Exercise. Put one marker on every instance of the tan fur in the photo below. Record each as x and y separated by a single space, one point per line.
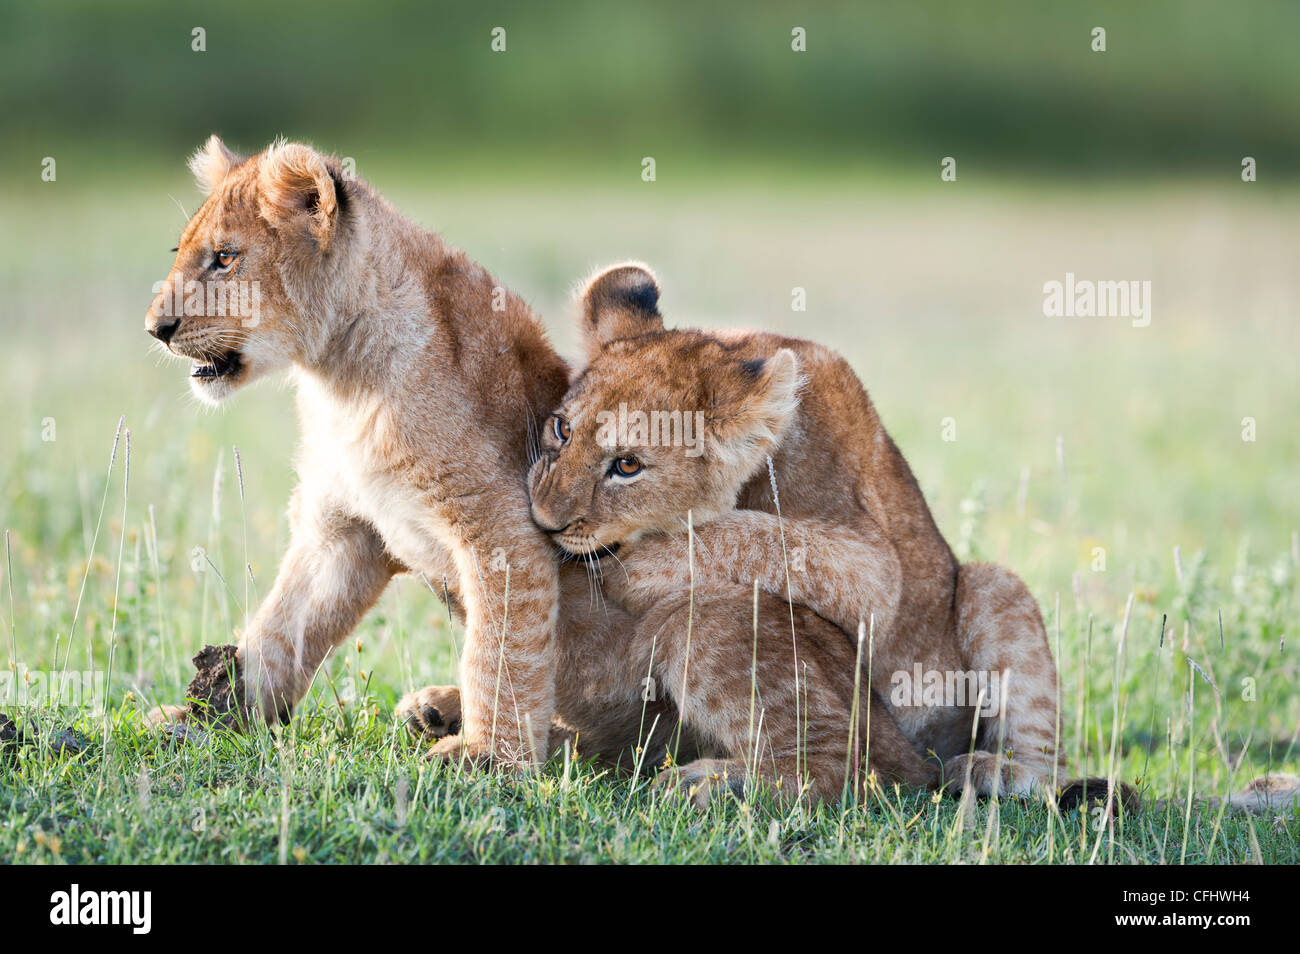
417 402
728 691
855 525
705 659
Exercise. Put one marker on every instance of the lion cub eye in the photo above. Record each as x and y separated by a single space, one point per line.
225 259
562 429
627 466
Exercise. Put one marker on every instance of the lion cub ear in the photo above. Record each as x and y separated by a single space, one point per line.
753 404
212 162
620 302
298 192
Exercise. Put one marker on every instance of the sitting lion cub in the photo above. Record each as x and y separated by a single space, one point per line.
622 465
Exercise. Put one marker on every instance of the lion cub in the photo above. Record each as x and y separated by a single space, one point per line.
416 398
419 397
622 465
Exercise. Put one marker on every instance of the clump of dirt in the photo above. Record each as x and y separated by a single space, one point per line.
59 741
216 692
185 732
8 735
68 742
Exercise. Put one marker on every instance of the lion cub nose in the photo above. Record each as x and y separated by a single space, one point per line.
163 329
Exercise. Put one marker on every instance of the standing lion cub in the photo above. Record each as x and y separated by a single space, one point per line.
417 400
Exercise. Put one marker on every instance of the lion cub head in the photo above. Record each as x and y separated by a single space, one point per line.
249 290
659 423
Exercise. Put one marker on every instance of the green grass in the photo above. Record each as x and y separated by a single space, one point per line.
934 295
328 792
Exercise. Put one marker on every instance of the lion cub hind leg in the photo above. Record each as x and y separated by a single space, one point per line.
703 780
891 757
764 715
1001 638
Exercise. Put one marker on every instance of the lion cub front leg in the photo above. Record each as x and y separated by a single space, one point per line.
846 574
335 570
433 713
509 585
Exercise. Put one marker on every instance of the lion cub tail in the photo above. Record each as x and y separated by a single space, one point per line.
1083 791
1268 793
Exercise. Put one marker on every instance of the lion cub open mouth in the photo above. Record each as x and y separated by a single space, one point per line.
220 367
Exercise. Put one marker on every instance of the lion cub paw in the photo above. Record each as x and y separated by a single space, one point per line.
161 716
990 774
455 752
432 712
703 780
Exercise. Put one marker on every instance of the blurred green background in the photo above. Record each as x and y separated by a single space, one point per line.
776 170
1008 86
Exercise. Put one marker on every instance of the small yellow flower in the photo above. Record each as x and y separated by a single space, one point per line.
299 853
